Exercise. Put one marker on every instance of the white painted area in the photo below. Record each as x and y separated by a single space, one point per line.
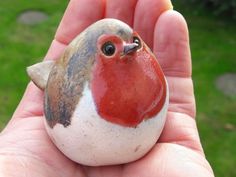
93 141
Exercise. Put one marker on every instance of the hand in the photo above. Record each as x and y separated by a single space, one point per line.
24 145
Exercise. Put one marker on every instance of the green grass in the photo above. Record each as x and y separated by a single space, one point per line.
213 44
22 45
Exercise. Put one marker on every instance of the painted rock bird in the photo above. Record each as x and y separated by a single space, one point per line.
106 98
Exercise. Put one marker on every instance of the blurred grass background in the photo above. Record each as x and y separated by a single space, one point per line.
22 45
213 44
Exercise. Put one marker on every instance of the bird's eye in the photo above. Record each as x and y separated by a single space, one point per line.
136 40
108 48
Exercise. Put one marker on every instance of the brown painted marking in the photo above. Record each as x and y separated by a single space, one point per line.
137 148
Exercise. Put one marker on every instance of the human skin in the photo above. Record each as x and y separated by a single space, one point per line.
25 148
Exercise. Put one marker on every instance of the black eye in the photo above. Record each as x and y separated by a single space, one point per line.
137 41
108 48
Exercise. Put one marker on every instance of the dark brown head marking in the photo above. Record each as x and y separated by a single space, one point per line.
67 78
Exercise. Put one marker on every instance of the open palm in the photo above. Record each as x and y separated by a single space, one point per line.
25 148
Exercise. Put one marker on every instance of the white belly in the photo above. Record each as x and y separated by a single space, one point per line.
91 140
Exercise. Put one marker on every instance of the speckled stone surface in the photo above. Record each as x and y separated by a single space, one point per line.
227 84
32 17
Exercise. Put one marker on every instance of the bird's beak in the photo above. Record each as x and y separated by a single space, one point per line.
130 48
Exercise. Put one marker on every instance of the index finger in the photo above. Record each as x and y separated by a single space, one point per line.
78 15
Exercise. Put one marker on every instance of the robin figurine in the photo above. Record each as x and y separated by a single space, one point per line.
106 98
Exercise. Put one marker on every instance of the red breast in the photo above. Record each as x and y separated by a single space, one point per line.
127 87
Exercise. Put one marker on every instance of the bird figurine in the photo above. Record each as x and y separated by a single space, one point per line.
105 98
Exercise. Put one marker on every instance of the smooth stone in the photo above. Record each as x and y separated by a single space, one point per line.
32 17
229 127
227 84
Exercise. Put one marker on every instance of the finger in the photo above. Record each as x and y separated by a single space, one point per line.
181 96
146 14
55 50
124 12
180 127
171 44
79 15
